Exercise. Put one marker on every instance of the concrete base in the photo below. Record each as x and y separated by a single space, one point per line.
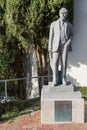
58 106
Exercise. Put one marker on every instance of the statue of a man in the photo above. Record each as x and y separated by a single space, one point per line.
60 38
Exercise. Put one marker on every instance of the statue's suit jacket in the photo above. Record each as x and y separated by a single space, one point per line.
54 35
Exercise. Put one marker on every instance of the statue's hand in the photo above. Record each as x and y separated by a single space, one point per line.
50 54
68 43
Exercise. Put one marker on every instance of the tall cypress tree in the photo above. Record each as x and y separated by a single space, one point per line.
24 23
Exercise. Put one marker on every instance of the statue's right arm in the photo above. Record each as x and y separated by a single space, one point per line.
51 35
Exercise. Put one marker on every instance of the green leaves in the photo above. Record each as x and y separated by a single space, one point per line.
5 65
23 23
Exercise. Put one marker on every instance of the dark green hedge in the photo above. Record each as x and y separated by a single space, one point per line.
83 91
18 105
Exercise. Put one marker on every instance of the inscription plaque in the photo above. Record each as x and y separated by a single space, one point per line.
63 111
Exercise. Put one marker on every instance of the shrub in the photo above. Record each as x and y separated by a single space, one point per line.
83 91
16 106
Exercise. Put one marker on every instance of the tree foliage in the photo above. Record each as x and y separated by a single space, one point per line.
24 23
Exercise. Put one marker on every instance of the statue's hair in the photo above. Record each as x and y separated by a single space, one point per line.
63 10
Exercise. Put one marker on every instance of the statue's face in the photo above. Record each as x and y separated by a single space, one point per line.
63 15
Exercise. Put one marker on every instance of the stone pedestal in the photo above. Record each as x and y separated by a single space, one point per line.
61 104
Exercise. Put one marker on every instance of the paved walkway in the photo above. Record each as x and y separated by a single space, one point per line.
32 122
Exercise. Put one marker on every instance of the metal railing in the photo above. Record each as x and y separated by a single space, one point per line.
9 80
26 78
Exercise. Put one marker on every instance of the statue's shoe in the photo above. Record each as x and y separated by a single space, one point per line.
64 81
56 84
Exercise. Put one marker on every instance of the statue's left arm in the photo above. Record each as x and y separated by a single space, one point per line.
69 41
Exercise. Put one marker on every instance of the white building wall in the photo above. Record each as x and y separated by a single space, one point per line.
77 67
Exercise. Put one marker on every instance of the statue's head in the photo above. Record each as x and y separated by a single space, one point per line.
63 12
